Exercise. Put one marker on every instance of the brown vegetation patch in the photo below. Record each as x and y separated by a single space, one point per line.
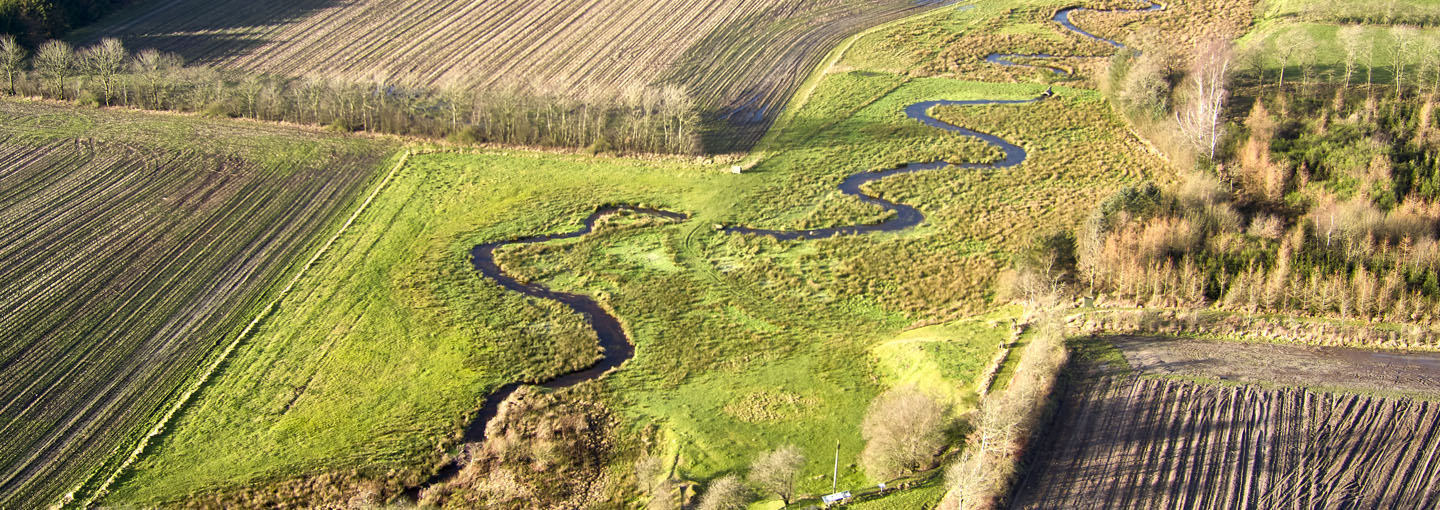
768 406
543 450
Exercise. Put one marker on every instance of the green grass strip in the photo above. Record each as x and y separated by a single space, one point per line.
215 365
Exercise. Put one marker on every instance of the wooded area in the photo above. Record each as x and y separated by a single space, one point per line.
33 21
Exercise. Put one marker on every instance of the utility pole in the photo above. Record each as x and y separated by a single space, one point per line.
835 475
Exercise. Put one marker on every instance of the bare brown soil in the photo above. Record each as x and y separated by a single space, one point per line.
1121 440
1325 367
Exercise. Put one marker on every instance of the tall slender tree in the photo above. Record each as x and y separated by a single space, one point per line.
1200 119
1352 40
1407 39
12 57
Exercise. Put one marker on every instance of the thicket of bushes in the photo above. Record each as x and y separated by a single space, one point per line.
661 120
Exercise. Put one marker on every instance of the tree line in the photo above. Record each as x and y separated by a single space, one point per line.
653 119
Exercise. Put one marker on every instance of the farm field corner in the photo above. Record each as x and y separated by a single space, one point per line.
367 373
130 253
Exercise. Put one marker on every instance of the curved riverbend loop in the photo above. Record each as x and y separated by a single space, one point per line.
614 343
1063 18
907 216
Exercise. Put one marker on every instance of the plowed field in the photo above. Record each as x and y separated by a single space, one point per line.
740 58
1131 442
126 256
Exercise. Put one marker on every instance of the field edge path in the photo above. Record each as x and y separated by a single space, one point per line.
214 366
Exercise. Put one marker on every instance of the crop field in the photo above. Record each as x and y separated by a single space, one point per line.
129 253
1130 442
740 59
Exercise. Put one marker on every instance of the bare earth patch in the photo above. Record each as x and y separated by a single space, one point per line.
1290 365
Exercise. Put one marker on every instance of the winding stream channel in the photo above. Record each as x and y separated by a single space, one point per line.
616 344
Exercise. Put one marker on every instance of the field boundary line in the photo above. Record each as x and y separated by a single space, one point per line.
225 354
812 82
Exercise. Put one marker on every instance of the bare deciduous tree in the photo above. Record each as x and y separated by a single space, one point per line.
152 66
775 471
725 493
1407 39
12 57
649 473
904 429
1352 39
1200 119
106 60
55 60
1287 44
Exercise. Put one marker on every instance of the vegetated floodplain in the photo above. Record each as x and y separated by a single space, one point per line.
133 245
742 343
368 372
742 59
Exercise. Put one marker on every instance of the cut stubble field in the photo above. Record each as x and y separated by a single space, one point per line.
129 253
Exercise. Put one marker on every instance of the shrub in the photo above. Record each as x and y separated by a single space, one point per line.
904 430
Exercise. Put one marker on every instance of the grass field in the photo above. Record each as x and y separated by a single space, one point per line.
370 368
1313 30
1384 12
741 59
129 254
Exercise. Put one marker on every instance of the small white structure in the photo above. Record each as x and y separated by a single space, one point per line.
835 498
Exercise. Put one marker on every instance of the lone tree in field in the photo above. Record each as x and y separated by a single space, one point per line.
776 470
1200 119
55 60
12 56
904 429
106 60
725 493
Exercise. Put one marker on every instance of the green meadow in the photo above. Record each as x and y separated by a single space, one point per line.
386 348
